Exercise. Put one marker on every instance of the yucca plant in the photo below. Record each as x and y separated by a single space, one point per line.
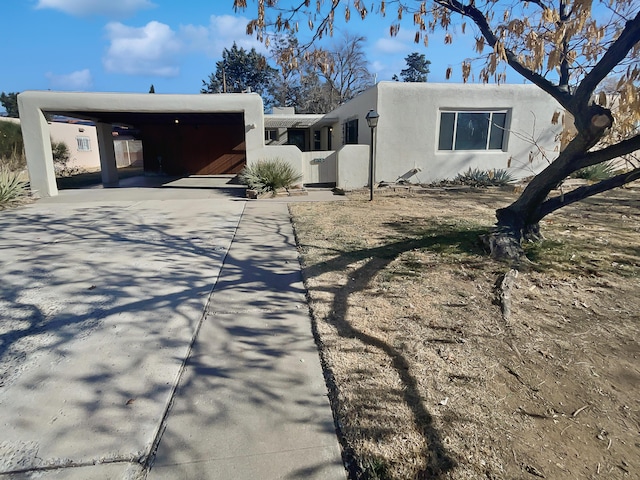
475 177
597 172
499 177
269 175
12 189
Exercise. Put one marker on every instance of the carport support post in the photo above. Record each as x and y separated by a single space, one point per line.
107 151
37 147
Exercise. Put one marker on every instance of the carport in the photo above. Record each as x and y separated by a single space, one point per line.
182 134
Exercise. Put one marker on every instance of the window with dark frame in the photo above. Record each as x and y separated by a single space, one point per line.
472 130
351 132
316 140
271 135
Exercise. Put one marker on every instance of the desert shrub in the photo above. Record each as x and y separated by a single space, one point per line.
595 173
269 175
484 178
12 189
61 156
11 146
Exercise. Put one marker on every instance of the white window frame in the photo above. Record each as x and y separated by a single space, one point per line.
491 112
84 143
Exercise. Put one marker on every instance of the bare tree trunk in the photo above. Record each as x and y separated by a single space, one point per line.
520 221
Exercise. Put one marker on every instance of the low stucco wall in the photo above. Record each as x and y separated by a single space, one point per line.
287 153
353 166
319 166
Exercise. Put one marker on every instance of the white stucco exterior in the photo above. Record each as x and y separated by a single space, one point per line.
36 132
406 140
408 129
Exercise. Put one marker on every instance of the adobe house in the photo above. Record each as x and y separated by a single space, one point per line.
426 132
182 134
440 130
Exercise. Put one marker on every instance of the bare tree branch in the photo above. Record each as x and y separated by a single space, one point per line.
470 11
555 203
624 147
614 55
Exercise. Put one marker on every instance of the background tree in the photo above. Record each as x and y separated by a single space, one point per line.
318 80
11 146
10 103
417 68
564 47
344 69
241 71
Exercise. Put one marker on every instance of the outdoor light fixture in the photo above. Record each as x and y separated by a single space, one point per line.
372 120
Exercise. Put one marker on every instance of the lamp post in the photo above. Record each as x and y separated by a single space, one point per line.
372 120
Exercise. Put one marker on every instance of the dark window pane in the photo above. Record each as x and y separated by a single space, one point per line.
445 141
351 132
497 131
297 138
472 130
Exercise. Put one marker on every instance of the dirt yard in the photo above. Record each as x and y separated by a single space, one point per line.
429 379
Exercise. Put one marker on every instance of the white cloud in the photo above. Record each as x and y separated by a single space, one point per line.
109 8
157 49
221 32
390 45
78 81
150 50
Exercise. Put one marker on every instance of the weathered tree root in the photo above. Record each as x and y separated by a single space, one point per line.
504 285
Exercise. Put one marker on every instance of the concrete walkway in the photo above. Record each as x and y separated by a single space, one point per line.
158 333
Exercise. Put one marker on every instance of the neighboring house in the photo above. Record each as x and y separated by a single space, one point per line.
426 132
82 139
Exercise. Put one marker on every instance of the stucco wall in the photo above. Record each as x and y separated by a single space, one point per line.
319 166
353 166
288 153
355 108
408 128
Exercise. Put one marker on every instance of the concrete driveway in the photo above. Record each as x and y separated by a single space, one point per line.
102 293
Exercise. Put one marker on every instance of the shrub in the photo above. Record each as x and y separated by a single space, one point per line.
596 173
11 146
12 189
484 178
269 175
61 156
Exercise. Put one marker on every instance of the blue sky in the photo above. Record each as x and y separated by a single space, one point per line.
127 45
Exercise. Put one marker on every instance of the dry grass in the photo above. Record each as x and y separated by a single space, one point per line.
428 381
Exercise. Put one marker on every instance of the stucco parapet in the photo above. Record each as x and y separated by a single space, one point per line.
139 102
